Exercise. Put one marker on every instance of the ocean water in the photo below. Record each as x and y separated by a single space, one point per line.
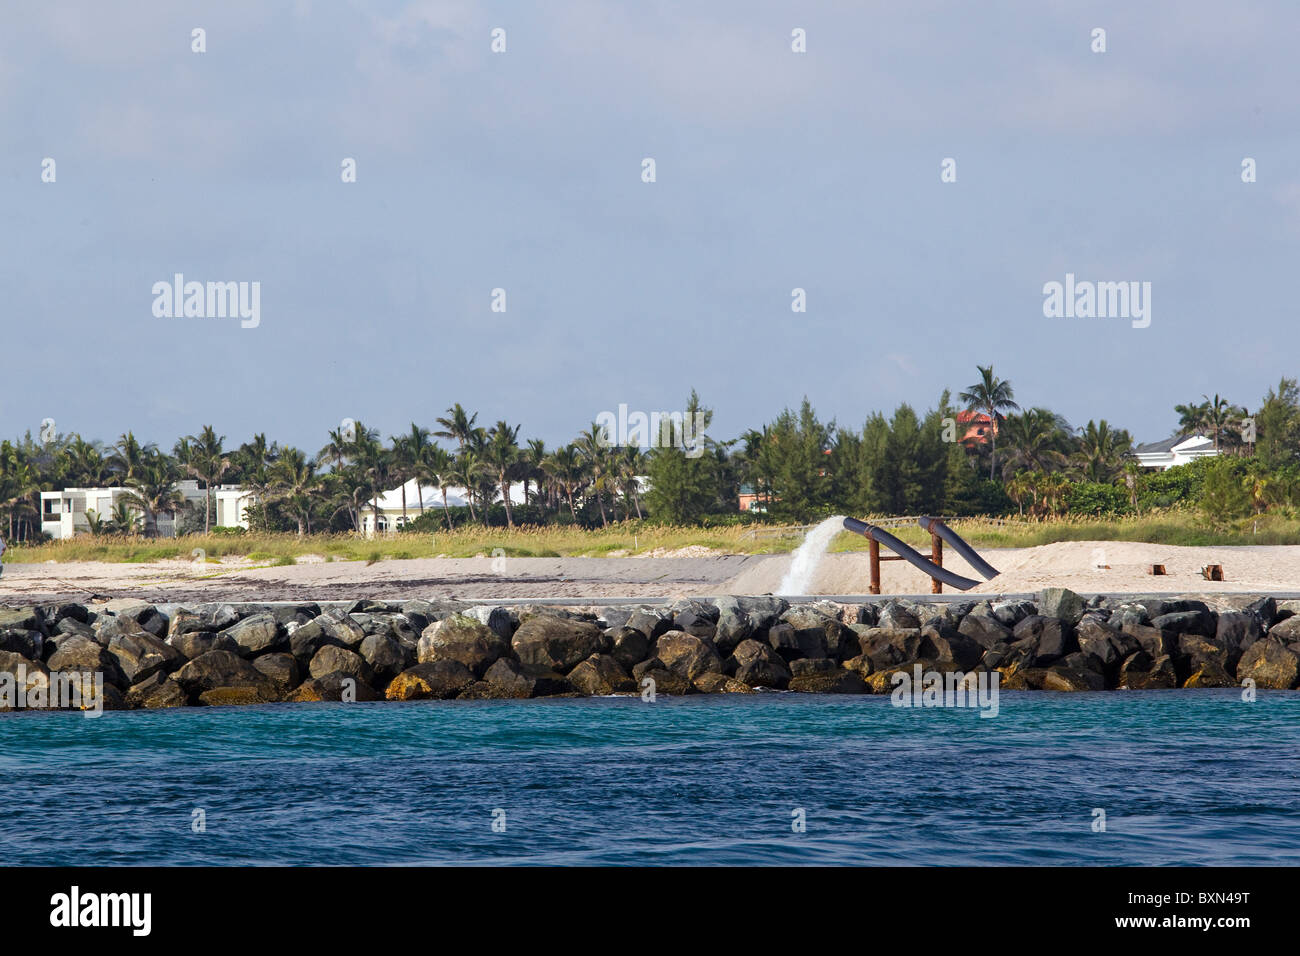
1184 777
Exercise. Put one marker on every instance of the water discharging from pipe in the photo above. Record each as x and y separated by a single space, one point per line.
807 557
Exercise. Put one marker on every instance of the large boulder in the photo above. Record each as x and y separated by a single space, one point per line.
984 629
721 684
1287 630
1155 641
1269 663
599 676
695 622
740 618
816 633
332 658
629 647
651 622
206 617
141 654
155 692
688 655
193 644
22 618
1143 672
652 676
464 639
1065 677
1099 640
756 665
87 657
1196 621
143 617
234 679
896 615
1062 604
510 678
556 643
1011 613
501 621
16 670
890 647
333 687
258 634
281 668
948 644
430 680
841 680
339 627
384 655
1050 637
1209 673
22 641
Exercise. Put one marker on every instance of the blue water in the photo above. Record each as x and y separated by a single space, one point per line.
1185 777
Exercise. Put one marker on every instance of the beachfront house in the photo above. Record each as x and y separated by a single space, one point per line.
63 513
1178 450
392 517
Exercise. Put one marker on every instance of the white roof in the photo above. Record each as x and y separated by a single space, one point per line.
456 497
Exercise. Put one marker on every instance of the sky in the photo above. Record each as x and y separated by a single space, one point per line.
522 170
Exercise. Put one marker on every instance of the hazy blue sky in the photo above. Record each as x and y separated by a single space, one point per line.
522 170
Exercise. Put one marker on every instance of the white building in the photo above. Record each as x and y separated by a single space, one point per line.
390 504
63 513
1178 450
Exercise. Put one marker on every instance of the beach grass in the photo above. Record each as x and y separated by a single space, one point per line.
642 539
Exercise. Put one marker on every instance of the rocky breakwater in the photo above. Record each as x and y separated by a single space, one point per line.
152 656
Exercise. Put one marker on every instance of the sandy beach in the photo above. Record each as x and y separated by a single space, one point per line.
1084 566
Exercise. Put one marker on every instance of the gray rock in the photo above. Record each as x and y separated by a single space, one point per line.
431 680
556 643
464 639
331 658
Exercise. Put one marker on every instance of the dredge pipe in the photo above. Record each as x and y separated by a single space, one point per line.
969 554
909 554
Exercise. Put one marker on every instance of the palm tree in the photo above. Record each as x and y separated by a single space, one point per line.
457 424
1219 415
627 466
1019 488
466 470
533 456
436 466
86 464
992 396
128 457
415 446
376 463
153 491
564 467
207 462
502 455
1101 451
336 449
295 481
593 446
1192 417
1036 438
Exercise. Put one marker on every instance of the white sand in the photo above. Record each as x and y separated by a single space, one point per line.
1071 564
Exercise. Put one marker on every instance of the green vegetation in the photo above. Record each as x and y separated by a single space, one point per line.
987 456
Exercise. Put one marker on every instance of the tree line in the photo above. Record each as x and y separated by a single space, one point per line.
795 468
